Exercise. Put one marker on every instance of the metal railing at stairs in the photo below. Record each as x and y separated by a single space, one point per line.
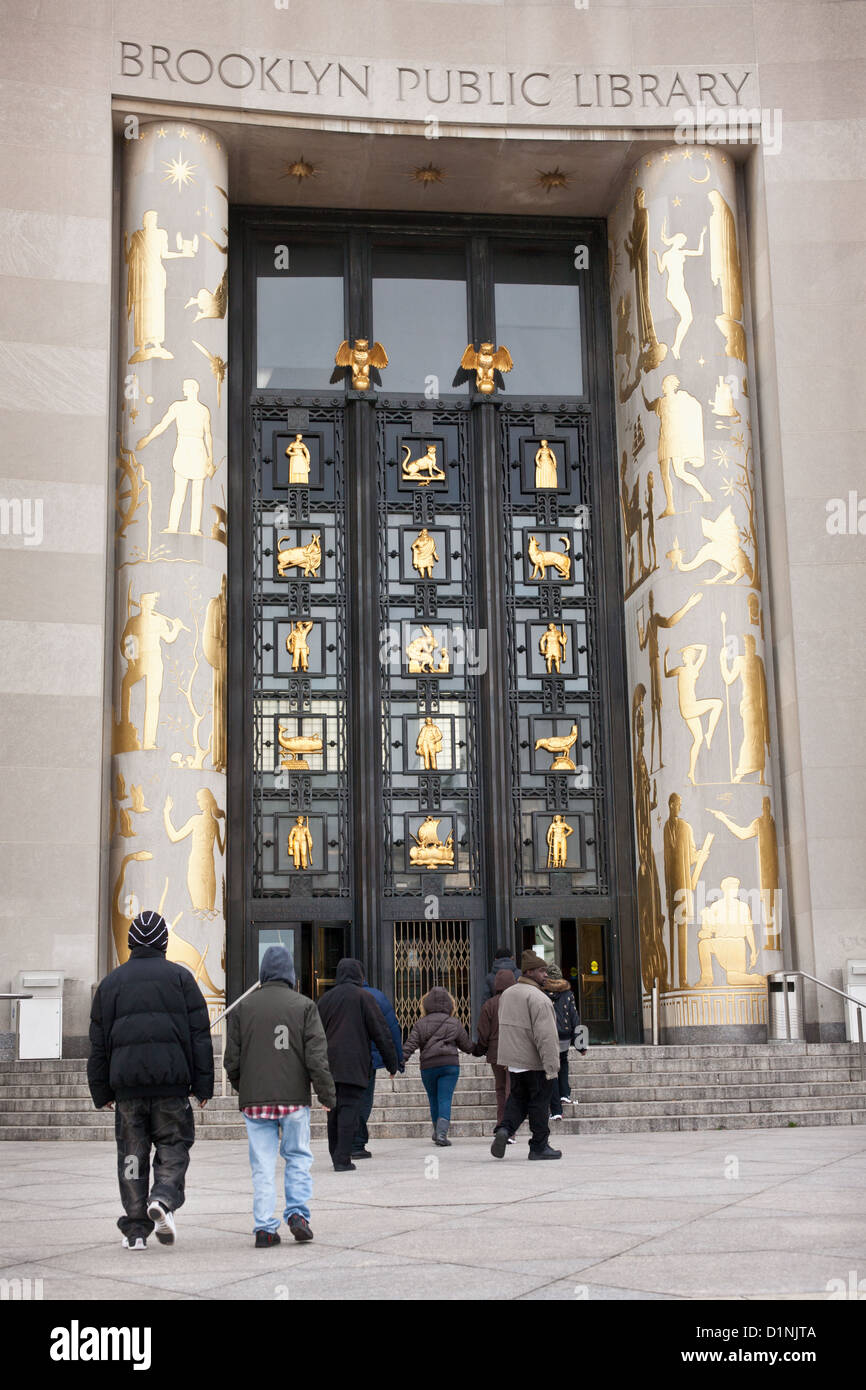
785 975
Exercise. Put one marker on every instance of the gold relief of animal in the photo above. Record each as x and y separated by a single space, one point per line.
424 470
544 559
428 850
294 745
362 360
306 557
561 745
211 304
722 547
421 653
488 364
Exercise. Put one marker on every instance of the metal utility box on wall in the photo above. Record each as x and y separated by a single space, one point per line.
40 1019
855 984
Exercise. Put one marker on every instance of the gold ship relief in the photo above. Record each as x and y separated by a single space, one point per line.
428 850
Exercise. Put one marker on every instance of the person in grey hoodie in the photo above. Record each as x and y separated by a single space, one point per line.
437 1035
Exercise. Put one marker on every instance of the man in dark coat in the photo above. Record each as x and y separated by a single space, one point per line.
362 1134
275 1046
503 960
352 1020
150 1049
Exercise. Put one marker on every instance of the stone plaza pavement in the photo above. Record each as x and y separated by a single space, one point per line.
728 1215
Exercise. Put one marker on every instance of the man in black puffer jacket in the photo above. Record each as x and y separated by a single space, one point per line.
352 1021
150 1049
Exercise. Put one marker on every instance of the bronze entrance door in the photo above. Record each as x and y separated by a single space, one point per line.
428 739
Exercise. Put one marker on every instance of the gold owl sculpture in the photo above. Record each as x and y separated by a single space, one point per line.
362 359
488 364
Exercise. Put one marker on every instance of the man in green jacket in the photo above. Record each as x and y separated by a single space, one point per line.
276 1046
529 1047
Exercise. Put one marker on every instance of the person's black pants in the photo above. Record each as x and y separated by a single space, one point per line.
343 1122
560 1088
165 1123
362 1134
529 1098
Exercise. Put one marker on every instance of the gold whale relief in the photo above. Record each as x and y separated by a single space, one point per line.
144 253
294 746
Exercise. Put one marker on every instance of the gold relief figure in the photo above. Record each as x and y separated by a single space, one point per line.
204 831
557 843
424 553
552 644
545 467
137 797
648 638
726 931
144 253
683 867
140 647
723 404
632 525
297 644
300 843
763 830
673 261
218 366
299 462
725 272
424 470
488 364
650 524
681 438
754 708
214 645
362 359
428 745
653 957
306 557
652 352
691 708
561 745
624 338
421 653
219 529
192 460
211 304
428 850
722 547
756 617
542 559
294 745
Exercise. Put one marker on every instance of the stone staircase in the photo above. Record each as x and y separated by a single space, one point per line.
620 1090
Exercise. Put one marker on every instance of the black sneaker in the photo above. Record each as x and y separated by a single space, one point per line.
300 1227
500 1139
344 1168
361 1153
264 1239
546 1153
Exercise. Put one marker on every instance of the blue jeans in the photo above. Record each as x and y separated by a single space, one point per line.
439 1083
291 1136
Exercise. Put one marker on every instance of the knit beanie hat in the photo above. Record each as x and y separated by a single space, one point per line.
149 929
554 972
530 961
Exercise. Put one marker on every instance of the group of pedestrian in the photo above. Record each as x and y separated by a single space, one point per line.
151 1050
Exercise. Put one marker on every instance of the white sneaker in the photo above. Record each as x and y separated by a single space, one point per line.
554 1118
163 1221
137 1243
512 1140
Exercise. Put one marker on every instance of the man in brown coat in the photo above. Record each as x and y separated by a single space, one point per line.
528 1046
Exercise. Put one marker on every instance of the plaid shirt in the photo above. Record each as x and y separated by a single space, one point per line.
270 1112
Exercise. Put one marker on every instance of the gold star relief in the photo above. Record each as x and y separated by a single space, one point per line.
552 178
183 133
202 139
218 145
724 159
648 164
426 174
707 154
299 169
702 361
666 157
178 171
687 154
636 170
161 133
677 202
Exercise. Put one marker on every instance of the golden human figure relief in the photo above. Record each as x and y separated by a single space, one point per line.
141 647
421 654
192 459
722 547
557 842
304 557
488 364
300 843
653 956
648 640
684 864
723 405
725 272
673 263
205 834
754 706
693 709
299 462
362 360
428 744
681 438
297 645
211 304
424 553
546 474
542 560
218 366
560 745
423 470
763 830
144 253
294 746
756 616
651 352
725 934
428 850
214 646
637 567
552 644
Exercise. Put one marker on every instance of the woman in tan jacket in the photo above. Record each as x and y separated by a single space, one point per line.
437 1036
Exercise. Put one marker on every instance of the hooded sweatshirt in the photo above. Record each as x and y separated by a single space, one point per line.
353 1021
500 963
438 1033
488 1019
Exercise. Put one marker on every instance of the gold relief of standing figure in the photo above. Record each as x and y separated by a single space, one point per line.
140 647
214 647
681 438
552 645
763 830
673 261
545 467
726 273
428 745
144 253
754 707
192 459
653 957
297 645
557 842
652 352
424 553
648 637
300 843
691 708
205 832
299 462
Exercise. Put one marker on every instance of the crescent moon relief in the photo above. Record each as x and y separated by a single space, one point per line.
705 179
